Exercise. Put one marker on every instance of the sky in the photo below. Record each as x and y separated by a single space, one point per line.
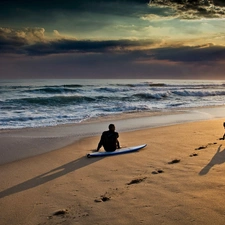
156 39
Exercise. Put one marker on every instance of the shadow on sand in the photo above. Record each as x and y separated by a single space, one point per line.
218 158
50 175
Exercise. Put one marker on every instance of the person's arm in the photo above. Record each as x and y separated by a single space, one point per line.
118 144
99 146
100 142
117 141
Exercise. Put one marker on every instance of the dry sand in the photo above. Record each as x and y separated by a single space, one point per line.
135 188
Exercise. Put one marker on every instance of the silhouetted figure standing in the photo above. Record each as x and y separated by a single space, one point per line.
224 128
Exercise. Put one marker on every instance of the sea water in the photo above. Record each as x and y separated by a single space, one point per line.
40 103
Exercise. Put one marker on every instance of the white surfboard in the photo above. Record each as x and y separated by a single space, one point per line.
117 152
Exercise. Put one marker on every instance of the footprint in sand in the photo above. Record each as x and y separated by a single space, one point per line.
205 146
193 154
136 181
157 171
103 198
174 161
201 147
60 212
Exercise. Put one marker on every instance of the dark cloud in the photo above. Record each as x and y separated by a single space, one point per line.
100 6
83 46
10 42
194 9
31 41
185 54
14 41
219 2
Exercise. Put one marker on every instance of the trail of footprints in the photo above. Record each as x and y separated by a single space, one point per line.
107 197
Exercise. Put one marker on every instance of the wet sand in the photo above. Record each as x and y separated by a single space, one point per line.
23 143
177 179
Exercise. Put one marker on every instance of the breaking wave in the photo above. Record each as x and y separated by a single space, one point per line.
47 102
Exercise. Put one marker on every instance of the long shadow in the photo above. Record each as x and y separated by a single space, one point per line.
50 175
218 158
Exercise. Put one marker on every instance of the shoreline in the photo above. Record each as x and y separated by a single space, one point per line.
65 187
34 141
131 115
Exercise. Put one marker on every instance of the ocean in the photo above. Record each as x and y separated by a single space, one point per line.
40 103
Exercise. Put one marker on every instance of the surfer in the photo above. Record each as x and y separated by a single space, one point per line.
109 140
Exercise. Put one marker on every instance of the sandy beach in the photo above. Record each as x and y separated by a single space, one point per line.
177 179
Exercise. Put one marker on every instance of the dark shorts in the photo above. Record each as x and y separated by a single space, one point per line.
110 150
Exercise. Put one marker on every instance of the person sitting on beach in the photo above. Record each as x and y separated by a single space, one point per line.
109 140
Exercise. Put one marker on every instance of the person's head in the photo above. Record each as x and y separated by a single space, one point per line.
112 127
